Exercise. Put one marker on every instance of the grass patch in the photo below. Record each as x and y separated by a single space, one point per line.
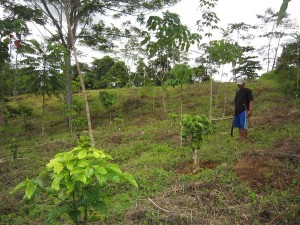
250 182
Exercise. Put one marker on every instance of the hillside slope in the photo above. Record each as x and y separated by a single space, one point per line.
252 182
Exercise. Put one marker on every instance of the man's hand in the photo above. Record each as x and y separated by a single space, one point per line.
249 113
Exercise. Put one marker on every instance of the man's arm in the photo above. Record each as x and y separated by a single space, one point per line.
251 103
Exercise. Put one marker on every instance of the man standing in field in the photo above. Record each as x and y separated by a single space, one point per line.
243 106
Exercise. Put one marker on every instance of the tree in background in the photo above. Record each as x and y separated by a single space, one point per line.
221 53
170 38
85 69
273 31
141 77
97 77
11 31
108 99
248 66
180 74
206 24
288 67
42 65
118 75
199 74
133 53
241 34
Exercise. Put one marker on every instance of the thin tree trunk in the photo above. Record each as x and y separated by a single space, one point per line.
298 71
268 55
276 51
181 100
211 97
66 2
164 101
43 116
68 88
219 88
195 157
225 103
269 49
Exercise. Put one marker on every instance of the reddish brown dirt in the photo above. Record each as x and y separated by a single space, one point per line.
276 168
189 168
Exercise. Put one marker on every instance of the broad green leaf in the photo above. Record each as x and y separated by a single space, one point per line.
108 157
43 172
82 154
58 167
56 183
77 171
19 186
30 189
52 163
80 177
98 153
70 164
115 179
83 163
114 168
101 179
76 149
89 172
129 178
100 169
70 185
282 10
68 156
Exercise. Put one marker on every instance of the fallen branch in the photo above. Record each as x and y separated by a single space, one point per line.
278 217
165 210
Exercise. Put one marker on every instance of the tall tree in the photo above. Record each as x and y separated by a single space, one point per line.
206 25
273 32
181 74
241 34
248 66
170 37
238 31
142 77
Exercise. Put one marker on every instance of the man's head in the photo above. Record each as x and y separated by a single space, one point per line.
240 83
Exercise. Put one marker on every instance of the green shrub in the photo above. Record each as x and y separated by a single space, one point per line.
78 181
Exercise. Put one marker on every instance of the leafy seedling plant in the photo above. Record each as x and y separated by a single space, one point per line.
108 99
78 181
14 148
195 128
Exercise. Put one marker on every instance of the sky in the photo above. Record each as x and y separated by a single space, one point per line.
228 11
233 11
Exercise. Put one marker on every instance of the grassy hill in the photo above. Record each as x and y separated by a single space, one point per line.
256 181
